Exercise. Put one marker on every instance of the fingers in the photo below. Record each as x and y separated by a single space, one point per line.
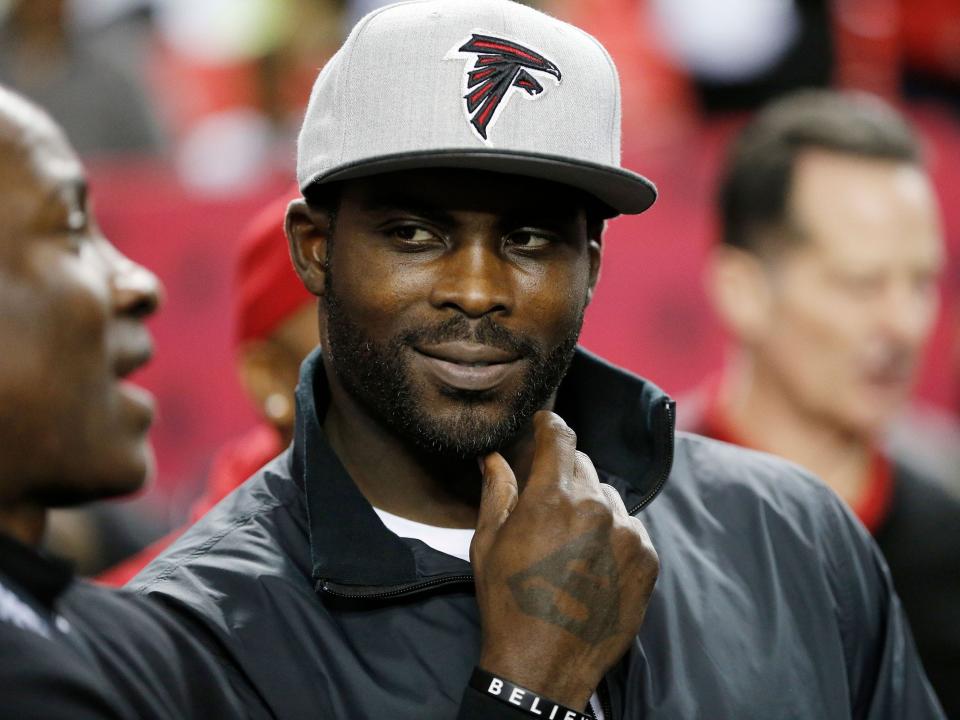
554 454
498 498
584 471
616 504
614 500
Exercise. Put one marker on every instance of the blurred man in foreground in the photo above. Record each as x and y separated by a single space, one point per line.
275 328
826 279
72 429
458 161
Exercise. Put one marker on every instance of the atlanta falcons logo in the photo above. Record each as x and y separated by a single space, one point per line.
500 66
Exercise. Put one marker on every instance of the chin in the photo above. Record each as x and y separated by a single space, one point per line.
464 432
123 474
870 427
71 493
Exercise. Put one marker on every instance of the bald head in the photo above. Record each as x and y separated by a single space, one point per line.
23 124
71 325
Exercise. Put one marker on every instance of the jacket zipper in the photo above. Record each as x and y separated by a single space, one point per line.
603 695
668 443
603 692
401 591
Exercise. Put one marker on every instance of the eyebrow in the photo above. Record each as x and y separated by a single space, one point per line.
77 188
81 189
393 201
408 204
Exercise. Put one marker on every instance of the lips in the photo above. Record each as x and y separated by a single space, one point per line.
893 379
133 355
889 368
132 359
466 365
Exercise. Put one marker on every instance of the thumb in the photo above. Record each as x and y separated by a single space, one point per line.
497 499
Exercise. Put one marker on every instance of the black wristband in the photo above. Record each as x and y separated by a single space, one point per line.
519 697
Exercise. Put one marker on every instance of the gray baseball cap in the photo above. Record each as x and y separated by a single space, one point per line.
480 84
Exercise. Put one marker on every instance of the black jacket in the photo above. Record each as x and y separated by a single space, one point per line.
920 540
69 649
772 601
918 534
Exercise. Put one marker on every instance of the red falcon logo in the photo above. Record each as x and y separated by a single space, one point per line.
500 66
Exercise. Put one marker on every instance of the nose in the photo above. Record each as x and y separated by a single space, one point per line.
475 280
137 292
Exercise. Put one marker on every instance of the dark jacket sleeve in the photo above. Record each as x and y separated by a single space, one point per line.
42 679
886 677
155 664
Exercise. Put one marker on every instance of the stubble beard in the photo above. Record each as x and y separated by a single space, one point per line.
378 376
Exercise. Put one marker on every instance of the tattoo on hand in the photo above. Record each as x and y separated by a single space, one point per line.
571 586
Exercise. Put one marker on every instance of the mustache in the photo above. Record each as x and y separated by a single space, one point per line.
485 332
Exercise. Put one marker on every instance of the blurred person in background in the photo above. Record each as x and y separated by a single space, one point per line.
235 89
927 437
826 281
101 105
73 429
275 329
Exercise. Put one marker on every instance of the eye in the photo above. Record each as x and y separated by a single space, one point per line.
529 239
77 230
412 235
862 284
77 221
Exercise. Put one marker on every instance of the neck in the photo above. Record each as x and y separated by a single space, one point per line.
399 478
24 521
764 417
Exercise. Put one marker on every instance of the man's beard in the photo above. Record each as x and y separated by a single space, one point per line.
377 375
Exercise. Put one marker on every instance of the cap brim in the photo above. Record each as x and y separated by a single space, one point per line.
623 191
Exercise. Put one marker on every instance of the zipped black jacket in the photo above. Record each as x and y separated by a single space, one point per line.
772 600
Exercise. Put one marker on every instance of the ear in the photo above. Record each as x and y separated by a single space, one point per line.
741 290
595 253
308 231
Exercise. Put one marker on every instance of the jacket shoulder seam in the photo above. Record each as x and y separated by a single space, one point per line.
211 542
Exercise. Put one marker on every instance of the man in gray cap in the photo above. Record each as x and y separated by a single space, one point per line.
461 525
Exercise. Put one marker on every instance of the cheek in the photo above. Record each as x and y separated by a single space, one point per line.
373 291
814 342
554 300
55 372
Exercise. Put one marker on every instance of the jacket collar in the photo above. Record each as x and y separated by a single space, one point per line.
43 577
624 423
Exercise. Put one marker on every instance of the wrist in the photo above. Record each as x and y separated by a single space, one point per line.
555 682
535 703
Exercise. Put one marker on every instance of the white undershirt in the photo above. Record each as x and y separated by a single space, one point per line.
452 541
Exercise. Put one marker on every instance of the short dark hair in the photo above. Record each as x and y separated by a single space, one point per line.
755 183
323 197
